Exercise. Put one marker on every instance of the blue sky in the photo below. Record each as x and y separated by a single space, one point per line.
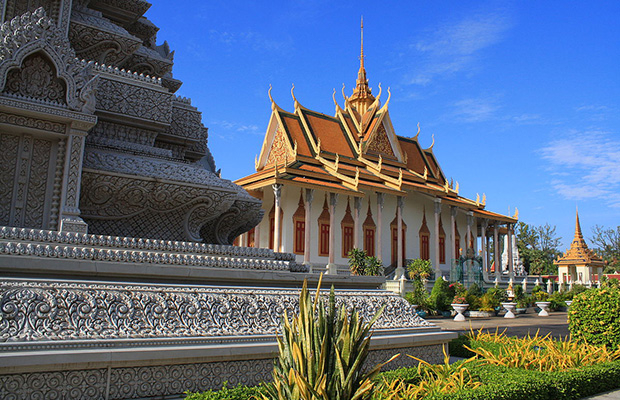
523 97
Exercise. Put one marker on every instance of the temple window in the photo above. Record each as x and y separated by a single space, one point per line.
457 241
425 236
442 243
299 222
369 229
347 225
324 231
394 231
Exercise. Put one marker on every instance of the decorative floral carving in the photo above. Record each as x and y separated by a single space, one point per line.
280 149
95 38
20 120
75 144
36 79
135 101
8 161
38 184
380 143
32 32
16 8
33 310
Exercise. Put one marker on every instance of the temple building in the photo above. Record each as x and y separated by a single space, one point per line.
333 183
579 263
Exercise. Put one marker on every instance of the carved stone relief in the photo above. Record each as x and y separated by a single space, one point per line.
8 162
36 79
33 311
33 32
135 101
24 180
16 8
95 38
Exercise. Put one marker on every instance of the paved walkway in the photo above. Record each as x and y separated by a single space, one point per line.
613 395
556 324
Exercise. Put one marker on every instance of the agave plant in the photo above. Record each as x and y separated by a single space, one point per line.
322 353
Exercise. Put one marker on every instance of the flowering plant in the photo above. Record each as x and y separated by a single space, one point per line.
458 288
459 300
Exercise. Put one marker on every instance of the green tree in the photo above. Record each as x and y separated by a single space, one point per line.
538 247
606 242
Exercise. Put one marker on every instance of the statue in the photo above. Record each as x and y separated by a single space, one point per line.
517 262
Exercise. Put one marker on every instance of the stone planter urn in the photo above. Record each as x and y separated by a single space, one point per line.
460 309
544 308
510 309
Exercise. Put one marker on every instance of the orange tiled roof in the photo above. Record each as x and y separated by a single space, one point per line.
294 129
330 132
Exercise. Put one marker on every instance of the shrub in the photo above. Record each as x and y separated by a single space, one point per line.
473 297
374 266
419 296
610 283
575 290
429 380
499 295
457 347
557 300
593 317
322 353
540 353
419 269
487 302
441 295
362 264
239 392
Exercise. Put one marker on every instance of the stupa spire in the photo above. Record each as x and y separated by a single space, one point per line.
362 96
578 234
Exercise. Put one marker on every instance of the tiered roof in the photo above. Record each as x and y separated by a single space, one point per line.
579 253
354 151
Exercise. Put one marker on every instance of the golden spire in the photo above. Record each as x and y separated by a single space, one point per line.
578 234
362 97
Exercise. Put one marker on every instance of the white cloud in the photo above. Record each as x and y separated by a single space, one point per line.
454 47
585 165
226 128
475 109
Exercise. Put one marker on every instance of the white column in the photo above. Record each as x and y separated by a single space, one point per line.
400 271
307 232
331 266
496 257
437 215
453 251
485 265
257 235
470 222
380 202
510 262
277 192
70 198
357 206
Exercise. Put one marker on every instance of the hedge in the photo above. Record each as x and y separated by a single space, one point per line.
500 383
593 317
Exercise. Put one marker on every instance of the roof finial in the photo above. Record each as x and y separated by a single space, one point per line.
362 44
578 234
